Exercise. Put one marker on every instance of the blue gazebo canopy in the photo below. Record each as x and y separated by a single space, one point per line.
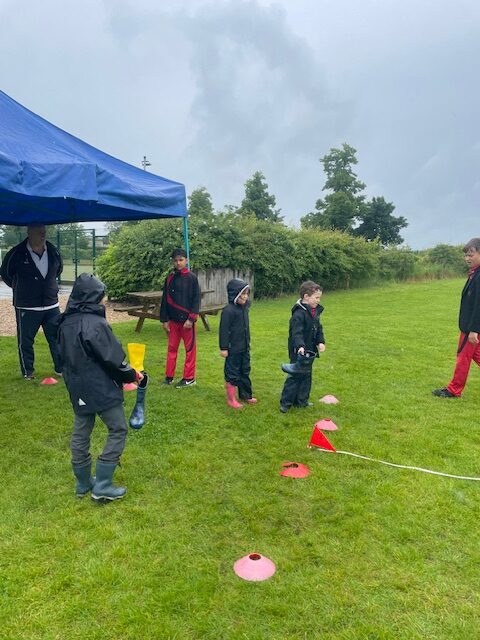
48 176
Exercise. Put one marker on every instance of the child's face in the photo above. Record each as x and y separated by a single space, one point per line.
472 258
313 300
243 297
179 263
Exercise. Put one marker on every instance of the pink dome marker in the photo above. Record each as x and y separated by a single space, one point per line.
254 567
49 381
329 400
129 386
326 425
294 470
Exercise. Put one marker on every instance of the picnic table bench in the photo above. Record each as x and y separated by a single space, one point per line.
149 307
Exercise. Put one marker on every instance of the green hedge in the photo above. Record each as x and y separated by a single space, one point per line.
138 257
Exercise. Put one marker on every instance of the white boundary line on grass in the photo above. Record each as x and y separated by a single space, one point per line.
402 466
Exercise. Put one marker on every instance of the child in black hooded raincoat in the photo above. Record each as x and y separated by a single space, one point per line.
234 340
94 369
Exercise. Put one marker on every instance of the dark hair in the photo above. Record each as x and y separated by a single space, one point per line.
179 252
308 288
474 244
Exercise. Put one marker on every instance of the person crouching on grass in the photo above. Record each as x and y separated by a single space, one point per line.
94 370
305 333
234 340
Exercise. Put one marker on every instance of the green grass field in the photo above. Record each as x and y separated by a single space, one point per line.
363 551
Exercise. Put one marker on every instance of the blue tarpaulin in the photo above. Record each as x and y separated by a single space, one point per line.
48 176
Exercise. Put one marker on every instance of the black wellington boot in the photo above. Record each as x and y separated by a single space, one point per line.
103 489
302 365
137 419
84 479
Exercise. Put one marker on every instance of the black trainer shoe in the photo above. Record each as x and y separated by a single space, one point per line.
284 408
29 376
185 383
167 380
444 393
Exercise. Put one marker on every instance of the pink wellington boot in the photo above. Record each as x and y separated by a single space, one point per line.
231 400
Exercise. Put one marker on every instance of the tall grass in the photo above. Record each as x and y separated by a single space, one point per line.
362 550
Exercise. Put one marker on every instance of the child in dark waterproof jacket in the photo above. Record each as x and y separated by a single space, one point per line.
94 370
305 334
234 340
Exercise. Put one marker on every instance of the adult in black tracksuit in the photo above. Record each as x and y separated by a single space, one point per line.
94 370
234 341
305 333
31 268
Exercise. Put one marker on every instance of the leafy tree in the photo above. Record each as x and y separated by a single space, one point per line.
200 202
339 209
258 201
377 222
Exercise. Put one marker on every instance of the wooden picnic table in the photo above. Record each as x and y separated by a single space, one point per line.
149 307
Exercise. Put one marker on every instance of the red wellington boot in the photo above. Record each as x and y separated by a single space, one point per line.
231 400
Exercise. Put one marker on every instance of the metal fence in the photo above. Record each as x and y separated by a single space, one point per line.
79 249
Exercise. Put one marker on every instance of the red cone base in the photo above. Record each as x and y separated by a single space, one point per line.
254 567
329 400
319 440
49 381
326 425
294 470
129 386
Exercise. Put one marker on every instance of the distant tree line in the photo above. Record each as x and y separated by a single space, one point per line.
344 208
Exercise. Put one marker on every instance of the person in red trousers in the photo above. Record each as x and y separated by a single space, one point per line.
469 324
178 314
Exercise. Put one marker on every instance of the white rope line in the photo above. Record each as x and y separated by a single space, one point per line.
403 466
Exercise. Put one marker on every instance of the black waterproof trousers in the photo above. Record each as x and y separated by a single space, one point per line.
296 389
237 372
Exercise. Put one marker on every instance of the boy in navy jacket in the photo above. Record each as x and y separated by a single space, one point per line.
305 334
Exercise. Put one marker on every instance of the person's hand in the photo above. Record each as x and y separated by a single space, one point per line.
188 324
224 353
473 337
139 376
166 326
321 347
301 351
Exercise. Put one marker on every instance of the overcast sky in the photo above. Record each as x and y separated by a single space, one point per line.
211 92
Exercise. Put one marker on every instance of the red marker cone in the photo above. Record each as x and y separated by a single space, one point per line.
294 470
318 439
326 425
49 381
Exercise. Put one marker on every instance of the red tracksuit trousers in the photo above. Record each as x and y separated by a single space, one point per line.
177 333
468 353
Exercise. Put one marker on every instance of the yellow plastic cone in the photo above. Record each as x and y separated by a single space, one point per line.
136 355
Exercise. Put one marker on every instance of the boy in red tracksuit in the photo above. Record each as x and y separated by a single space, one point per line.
469 324
178 313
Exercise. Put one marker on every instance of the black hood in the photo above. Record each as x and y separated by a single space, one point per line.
235 288
87 291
